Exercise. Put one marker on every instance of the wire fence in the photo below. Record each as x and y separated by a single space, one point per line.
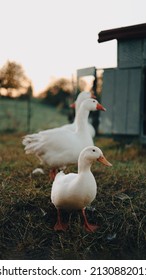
29 115
14 114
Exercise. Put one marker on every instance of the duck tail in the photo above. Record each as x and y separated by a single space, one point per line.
32 143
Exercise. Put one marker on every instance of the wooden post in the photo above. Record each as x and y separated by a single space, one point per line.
29 107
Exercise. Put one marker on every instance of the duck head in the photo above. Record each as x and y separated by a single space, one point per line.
93 154
92 104
83 95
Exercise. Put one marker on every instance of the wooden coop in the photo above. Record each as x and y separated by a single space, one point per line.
124 87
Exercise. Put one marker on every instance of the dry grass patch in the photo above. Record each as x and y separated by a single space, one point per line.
27 216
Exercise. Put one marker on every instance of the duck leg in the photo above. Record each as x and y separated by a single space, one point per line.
59 225
53 173
88 227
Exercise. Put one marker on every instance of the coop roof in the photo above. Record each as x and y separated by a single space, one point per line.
128 32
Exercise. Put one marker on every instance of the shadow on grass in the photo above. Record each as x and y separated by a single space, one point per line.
27 233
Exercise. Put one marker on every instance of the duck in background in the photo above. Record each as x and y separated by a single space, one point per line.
76 105
75 191
58 148
83 95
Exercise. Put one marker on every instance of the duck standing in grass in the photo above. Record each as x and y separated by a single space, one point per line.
58 148
75 191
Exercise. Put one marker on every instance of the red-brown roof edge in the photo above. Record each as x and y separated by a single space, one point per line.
128 32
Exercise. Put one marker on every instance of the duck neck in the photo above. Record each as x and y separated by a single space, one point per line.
85 166
81 119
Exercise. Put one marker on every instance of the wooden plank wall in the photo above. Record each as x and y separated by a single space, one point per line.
121 97
130 53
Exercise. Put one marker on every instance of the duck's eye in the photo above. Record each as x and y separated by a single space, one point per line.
94 101
93 150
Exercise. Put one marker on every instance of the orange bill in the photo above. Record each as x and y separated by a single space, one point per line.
104 161
100 107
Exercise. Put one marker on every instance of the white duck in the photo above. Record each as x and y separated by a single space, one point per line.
76 105
77 190
58 148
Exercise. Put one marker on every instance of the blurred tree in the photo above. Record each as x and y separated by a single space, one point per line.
13 79
58 93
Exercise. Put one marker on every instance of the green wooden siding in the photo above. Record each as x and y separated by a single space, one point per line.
130 53
121 96
120 101
134 101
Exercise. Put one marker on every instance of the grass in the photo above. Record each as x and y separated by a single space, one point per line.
27 216
13 115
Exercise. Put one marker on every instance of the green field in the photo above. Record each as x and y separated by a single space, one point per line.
27 216
14 116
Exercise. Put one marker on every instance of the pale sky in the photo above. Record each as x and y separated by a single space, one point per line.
54 38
